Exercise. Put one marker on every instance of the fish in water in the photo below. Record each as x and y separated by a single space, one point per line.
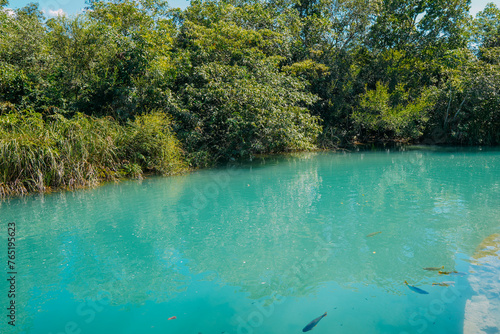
372 234
172 318
441 284
415 289
445 283
459 273
434 268
313 323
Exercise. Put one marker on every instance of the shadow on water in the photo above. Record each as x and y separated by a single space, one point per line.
292 226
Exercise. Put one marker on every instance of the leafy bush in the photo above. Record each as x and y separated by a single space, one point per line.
151 145
236 112
394 114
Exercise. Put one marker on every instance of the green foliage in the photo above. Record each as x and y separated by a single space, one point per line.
468 109
232 78
235 111
151 145
486 27
122 73
395 113
14 83
234 99
308 69
421 26
38 155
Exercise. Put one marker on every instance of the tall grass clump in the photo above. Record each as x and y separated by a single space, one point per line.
151 145
42 154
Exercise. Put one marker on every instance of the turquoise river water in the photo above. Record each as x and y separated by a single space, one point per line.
265 247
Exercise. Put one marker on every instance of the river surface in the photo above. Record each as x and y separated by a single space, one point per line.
265 247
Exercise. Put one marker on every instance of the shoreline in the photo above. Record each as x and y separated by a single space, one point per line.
357 147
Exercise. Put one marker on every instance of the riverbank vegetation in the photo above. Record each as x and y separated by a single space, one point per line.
39 154
133 86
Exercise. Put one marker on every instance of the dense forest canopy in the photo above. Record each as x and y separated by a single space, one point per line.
228 79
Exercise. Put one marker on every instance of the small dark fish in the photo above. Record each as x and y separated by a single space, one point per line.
313 323
441 284
415 289
459 273
434 268
372 234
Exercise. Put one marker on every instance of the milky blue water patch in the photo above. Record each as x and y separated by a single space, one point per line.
266 247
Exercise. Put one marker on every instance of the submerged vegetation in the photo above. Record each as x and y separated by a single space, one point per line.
129 87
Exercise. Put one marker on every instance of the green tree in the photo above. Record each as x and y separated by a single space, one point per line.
486 27
394 114
468 107
24 59
421 25
235 99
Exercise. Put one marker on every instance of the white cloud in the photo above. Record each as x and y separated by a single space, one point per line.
9 12
53 13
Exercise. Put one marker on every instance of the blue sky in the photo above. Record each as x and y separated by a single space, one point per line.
73 6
